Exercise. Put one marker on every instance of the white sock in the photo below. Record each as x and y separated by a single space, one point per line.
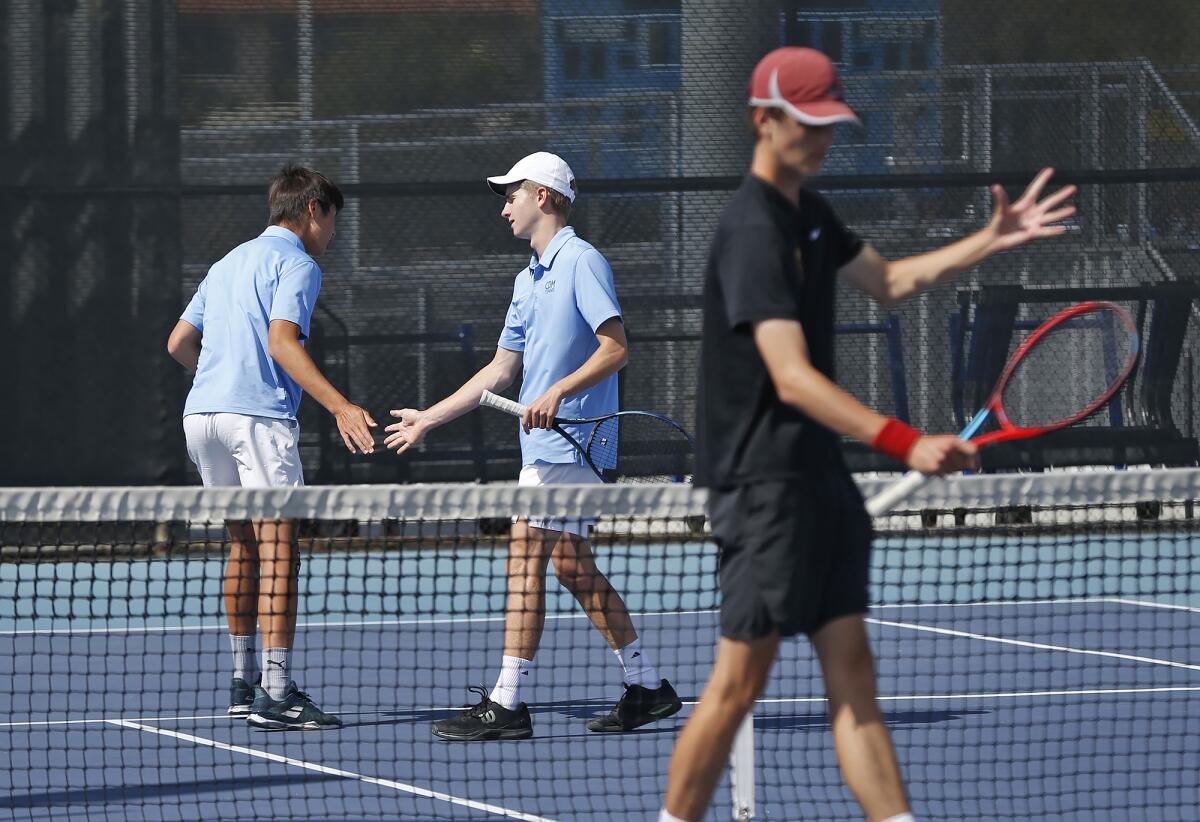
514 672
245 666
275 672
901 817
663 816
636 665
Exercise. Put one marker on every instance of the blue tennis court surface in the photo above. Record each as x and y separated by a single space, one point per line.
1081 707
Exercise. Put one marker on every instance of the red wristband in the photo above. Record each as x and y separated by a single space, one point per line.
896 439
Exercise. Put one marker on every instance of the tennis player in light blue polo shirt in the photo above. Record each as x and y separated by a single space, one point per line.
564 334
268 278
557 307
243 334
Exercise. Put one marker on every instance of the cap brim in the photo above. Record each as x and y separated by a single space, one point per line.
500 184
823 113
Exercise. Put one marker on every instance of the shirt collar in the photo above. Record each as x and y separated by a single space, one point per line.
556 243
774 196
284 234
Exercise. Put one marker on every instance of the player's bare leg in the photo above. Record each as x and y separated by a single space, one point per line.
860 736
575 568
702 749
525 611
241 580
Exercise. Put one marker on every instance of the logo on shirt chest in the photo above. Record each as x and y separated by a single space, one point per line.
549 285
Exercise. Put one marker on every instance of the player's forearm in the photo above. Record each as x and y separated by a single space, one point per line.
184 344
605 361
186 354
491 377
299 365
817 397
914 275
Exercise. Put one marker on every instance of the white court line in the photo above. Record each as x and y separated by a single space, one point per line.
1142 603
312 766
999 602
103 720
997 695
220 626
1041 646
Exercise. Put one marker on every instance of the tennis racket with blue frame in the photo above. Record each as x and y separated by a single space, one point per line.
625 446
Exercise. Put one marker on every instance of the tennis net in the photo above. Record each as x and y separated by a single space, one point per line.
1037 639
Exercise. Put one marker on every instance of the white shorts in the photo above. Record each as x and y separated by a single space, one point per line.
559 473
239 449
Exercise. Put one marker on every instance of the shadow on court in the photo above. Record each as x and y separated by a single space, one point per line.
573 709
895 719
170 790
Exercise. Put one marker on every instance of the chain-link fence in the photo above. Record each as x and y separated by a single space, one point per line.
139 137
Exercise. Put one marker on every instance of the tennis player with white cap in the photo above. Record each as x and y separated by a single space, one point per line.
565 336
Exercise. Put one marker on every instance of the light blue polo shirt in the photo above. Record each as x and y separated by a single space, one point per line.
268 278
557 305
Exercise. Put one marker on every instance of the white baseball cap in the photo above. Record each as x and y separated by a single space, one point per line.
541 167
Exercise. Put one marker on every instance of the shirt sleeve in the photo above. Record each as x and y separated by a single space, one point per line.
754 276
296 295
595 293
845 243
194 313
512 336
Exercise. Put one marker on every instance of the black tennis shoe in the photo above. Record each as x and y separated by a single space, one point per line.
486 720
638 706
296 711
241 695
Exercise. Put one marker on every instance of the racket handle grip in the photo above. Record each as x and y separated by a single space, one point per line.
502 404
894 494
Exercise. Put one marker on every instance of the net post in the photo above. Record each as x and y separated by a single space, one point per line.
741 769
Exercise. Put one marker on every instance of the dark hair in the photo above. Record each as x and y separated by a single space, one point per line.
773 112
294 187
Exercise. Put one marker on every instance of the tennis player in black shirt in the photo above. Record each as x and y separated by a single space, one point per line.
794 536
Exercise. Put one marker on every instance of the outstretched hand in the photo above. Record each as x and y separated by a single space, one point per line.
408 432
1027 218
354 424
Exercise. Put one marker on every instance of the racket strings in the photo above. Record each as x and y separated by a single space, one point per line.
1071 368
641 448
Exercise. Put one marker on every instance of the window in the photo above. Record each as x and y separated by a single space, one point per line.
571 62
599 61
662 44
892 57
653 5
804 33
919 59
831 40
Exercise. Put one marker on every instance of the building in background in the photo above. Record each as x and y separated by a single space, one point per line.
139 136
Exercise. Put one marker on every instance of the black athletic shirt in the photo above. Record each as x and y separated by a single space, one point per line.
769 260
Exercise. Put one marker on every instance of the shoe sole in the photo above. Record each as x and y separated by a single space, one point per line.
275 725
653 715
239 710
484 736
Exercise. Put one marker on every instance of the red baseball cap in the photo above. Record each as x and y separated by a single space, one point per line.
804 83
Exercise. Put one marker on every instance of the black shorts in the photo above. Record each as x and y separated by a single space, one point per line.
795 554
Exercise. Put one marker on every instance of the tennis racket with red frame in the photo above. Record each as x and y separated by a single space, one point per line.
1069 368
